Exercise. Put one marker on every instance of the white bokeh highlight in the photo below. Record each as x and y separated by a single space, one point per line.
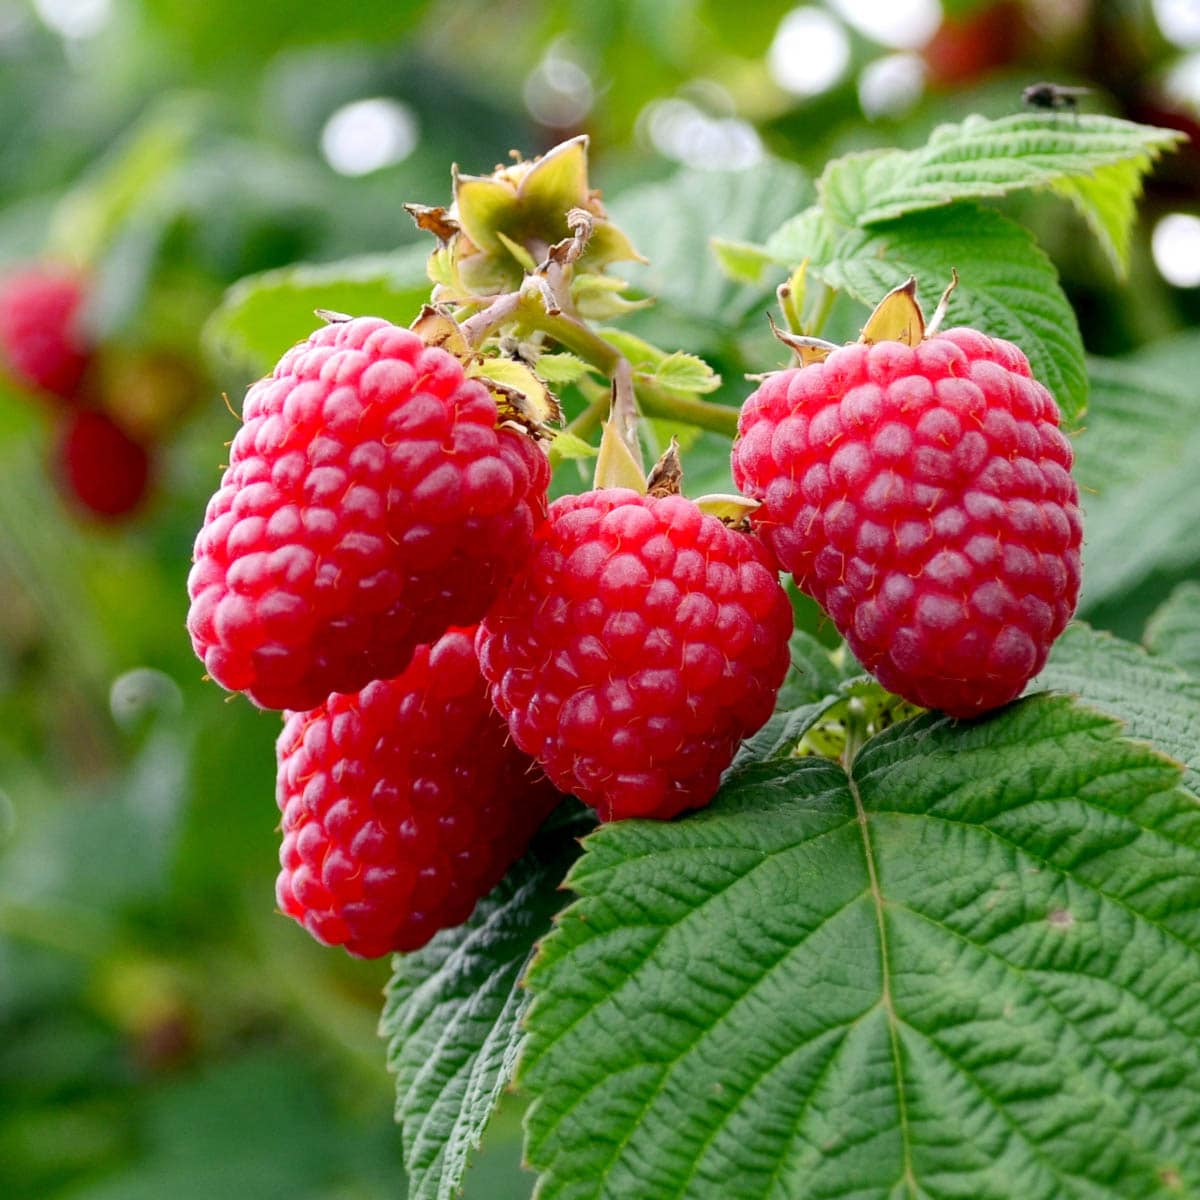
368 135
1175 245
809 53
1179 21
558 92
74 19
890 86
901 24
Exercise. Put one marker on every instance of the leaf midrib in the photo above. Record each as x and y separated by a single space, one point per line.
907 1175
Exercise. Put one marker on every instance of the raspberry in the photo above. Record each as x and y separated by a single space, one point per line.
100 465
370 503
402 804
922 495
40 338
642 642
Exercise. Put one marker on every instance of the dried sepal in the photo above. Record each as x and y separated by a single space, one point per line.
433 218
807 349
666 476
435 327
520 395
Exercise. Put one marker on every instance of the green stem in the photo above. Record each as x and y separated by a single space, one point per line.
574 335
719 418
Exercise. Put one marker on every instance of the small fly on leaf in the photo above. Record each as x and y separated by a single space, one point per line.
1053 97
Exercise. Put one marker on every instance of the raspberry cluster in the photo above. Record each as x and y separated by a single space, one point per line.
103 468
455 653
922 495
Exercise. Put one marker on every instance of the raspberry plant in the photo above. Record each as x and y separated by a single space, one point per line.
889 951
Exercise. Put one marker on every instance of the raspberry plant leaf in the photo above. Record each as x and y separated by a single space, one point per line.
453 1012
963 969
1097 162
1156 701
675 219
1135 462
264 315
1174 630
1007 286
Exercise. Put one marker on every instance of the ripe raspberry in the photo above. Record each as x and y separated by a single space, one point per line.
40 339
642 642
100 465
402 804
370 503
922 496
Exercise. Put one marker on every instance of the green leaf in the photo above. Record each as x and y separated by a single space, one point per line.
558 370
969 970
1136 466
1155 699
453 1012
1007 287
264 315
673 222
569 446
1174 630
1107 200
686 373
743 262
1096 161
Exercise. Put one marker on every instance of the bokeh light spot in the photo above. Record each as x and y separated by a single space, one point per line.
1179 21
1175 245
890 86
903 24
369 134
558 91
809 53
74 18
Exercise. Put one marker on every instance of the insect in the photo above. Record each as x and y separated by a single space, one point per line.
1053 96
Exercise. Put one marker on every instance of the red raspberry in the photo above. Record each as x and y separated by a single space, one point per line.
923 497
642 642
370 503
40 337
100 465
402 804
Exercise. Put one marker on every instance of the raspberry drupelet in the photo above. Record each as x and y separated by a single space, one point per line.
641 643
922 495
402 804
370 503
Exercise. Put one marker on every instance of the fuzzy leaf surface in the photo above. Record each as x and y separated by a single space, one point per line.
1156 701
1007 287
1174 630
1136 465
1096 161
970 969
453 1011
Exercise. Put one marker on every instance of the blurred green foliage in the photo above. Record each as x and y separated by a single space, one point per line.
162 1032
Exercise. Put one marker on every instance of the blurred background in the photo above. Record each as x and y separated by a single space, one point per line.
162 1031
